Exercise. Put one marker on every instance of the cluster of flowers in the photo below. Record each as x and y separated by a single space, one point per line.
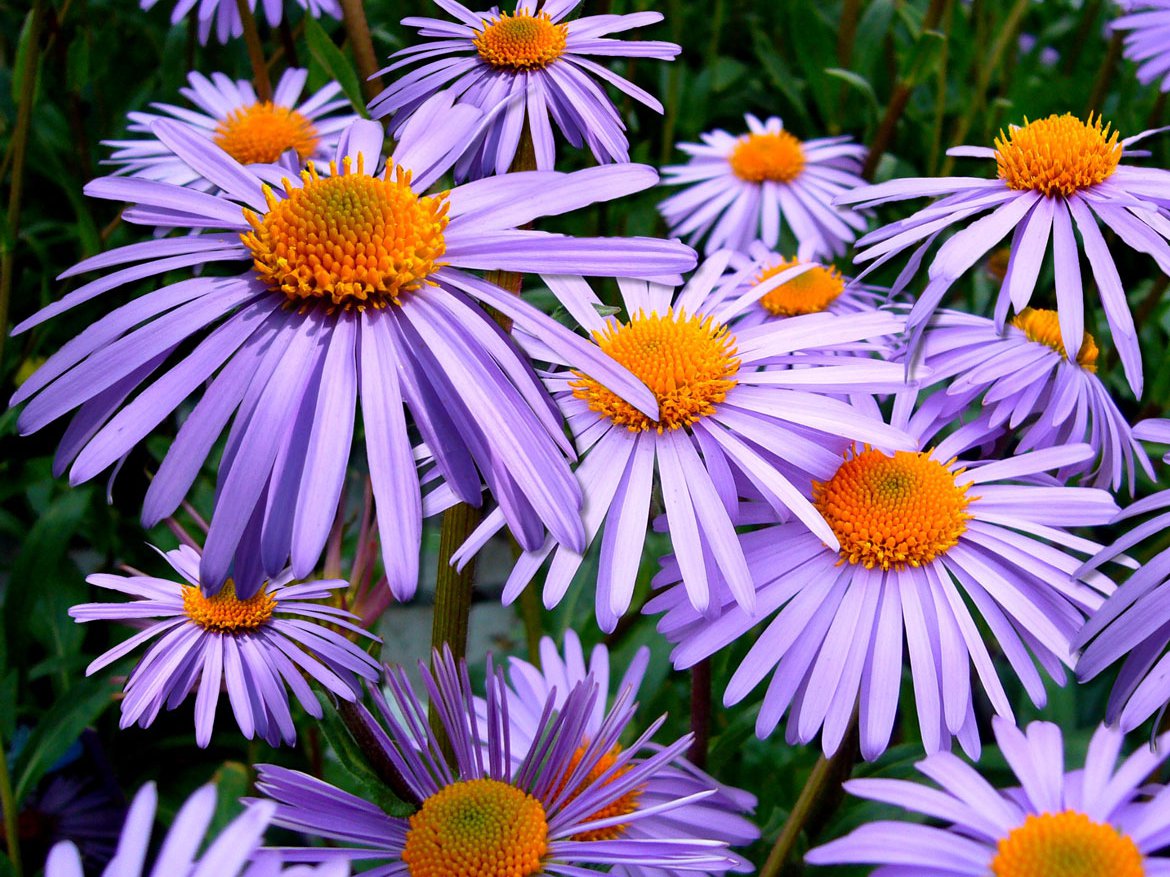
849 480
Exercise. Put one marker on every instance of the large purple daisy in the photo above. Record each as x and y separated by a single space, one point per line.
1148 42
249 130
355 288
1102 819
570 804
930 547
255 647
222 17
742 189
535 64
728 428
1053 174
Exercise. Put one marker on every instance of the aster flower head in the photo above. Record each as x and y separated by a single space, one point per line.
931 547
567 805
1147 41
727 429
722 816
250 130
222 17
1028 387
234 851
255 647
1101 819
354 287
744 188
79 808
537 65
1053 175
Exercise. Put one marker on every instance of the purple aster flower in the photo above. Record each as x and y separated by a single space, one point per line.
355 287
256 647
235 851
249 130
1053 174
728 428
742 189
223 16
931 547
1155 430
1148 42
537 66
1027 386
1102 819
532 689
571 803
76 808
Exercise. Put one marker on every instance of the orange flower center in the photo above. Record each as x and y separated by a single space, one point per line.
897 511
227 613
263 132
348 240
484 828
1058 155
1067 844
622 806
688 363
808 293
522 41
758 157
1043 327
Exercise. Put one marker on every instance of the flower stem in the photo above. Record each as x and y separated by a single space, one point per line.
700 713
357 27
847 33
260 78
452 586
376 757
1105 74
530 611
8 805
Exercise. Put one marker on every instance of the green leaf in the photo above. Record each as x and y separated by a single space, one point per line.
923 58
24 45
335 64
349 754
871 34
58 729
232 782
858 83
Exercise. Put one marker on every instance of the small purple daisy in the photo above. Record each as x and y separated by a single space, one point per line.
742 189
1102 819
222 17
531 689
355 288
534 64
249 130
728 428
1053 174
1148 42
256 647
570 804
928 545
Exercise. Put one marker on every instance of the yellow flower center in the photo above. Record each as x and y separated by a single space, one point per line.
522 41
808 293
758 157
622 806
348 240
897 511
227 613
263 132
484 828
1043 327
1067 844
688 363
1058 155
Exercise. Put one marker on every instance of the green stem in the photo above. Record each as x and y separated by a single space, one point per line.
28 87
1105 74
8 805
255 48
674 77
357 27
940 97
530 611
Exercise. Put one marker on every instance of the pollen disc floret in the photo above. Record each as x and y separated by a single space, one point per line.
897 511
688 362
348 240
227 613
263 132
622 806
483 827
807 293
1067 844
1043 327
1058 155
775 156
522 41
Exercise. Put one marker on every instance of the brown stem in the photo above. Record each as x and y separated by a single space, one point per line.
847 32
358 30
700 713
260 78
